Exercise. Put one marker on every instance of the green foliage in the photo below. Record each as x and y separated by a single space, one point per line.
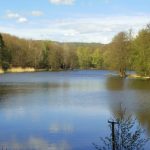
70 59
5 65
44 60
55 57
1 42
84 57
5 56
141 53
118 52
1 48
97 59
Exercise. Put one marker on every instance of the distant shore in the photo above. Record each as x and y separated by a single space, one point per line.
29 69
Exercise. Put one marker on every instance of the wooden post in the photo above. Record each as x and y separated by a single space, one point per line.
113 133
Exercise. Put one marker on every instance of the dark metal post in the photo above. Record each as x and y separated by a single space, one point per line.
113 133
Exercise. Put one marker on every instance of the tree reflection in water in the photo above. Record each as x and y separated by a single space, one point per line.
128 135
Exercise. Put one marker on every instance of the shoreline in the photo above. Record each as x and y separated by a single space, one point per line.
136 76
28 69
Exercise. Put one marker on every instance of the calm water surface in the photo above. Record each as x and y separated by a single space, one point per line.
66 110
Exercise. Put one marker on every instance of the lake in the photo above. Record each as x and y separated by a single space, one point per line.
66 110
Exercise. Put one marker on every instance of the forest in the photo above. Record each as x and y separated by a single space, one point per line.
124 52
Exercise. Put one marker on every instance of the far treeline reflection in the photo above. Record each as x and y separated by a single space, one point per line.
125 52
134 95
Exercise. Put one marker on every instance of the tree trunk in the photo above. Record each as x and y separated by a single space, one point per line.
122 73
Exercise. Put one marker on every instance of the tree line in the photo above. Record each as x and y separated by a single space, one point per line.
124 52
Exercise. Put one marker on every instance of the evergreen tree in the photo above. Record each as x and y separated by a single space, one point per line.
5 56
1 48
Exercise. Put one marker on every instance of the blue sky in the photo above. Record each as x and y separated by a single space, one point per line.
73 20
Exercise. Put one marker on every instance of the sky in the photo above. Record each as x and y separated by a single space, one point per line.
73 20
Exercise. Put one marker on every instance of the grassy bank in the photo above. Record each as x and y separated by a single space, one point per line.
136 76
18 70
27 69
1 71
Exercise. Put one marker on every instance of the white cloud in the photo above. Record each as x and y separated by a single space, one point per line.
22 20
98 29
12 15
16 16
66 2
37 13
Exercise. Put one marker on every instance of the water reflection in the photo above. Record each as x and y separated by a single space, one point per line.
134 95
66 108
115 83
34 143
136 84
125 133
13 88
